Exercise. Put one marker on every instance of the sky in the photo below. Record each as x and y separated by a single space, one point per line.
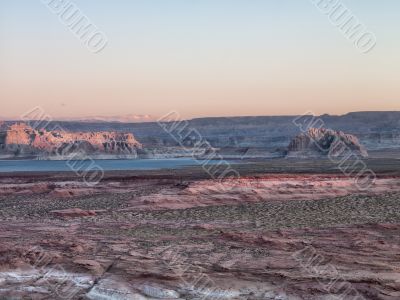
199 58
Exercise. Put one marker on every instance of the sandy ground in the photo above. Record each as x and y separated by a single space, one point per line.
270 236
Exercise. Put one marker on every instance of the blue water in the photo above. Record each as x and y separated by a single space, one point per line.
106 165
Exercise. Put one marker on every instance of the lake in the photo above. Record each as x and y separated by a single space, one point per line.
106 165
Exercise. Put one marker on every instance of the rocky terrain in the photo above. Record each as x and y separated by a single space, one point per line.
21 140
252 137
157 236
375 130
325 142
248 137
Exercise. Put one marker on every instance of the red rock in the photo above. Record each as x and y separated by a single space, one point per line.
73 212
90 265
21 139
321 141
59 193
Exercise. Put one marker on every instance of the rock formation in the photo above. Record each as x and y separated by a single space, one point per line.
270 236
248 137
325 142
21 140
252 137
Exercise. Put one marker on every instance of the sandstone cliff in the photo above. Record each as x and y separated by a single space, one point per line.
375 130
324 142
251 137
21 140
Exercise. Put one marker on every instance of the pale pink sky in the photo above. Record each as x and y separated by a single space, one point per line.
200 59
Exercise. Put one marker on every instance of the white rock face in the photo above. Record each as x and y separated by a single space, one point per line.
33 283
159 292
23 140
113 289
325 142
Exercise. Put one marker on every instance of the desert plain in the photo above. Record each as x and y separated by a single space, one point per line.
285 229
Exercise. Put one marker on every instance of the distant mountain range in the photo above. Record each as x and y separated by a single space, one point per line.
128 118
263 136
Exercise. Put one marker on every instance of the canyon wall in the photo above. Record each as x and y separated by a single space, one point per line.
21 140
375 130
325 142
249 137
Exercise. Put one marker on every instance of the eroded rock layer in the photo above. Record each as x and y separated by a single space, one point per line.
21 140
325 142
287 237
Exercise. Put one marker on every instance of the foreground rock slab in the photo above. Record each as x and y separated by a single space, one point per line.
286 237
73 213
